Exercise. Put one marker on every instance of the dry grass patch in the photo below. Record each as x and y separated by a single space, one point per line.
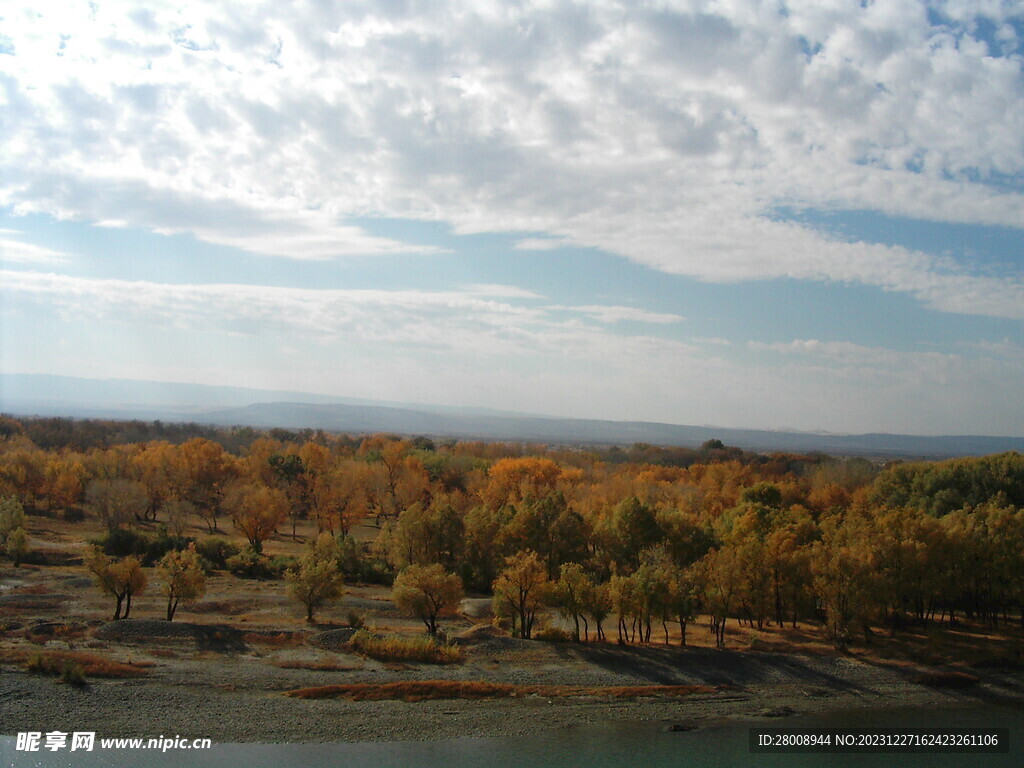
227 607
316 666
423 690
396 648
32 589
280 640
91 664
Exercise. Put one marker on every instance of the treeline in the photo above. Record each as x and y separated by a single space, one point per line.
775 538
939 488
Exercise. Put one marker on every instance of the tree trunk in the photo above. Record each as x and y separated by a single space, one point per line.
172 606
117 611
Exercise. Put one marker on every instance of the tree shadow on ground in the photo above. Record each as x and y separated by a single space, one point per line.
704 666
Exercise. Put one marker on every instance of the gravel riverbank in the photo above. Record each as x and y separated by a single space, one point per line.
239 697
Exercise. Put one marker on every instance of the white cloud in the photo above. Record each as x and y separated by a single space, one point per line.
539 244
847 353
468 348
615 314
664 134
18 252
484 320
501 291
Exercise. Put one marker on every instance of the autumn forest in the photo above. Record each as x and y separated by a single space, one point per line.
635 545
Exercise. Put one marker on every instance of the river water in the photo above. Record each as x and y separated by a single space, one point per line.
615 745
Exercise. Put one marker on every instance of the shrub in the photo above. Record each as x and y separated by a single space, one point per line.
249 564
38 664
376 571
553 635
73 514
421 648
126 542
163 543
72 674
356 619
280 564
123 542
41 557
359 564
216 552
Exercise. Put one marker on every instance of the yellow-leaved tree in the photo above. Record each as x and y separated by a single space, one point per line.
427 592
122 579
182 578
521 590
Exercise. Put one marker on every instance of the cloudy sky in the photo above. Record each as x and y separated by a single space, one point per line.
803 214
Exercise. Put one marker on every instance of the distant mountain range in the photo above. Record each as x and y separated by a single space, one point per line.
47 395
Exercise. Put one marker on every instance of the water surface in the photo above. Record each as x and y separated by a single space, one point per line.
615 745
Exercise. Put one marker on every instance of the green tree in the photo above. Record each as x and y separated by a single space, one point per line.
12 520
317 581
550 528
720 574
569 596
844 567
16 546
626 604
636 528
597 604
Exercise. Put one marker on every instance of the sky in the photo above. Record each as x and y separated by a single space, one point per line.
785 215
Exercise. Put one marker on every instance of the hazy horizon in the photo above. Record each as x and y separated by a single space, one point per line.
45 395
796 216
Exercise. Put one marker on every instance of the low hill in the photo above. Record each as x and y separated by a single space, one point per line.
39 395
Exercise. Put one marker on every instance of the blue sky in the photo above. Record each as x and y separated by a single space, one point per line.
804 215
